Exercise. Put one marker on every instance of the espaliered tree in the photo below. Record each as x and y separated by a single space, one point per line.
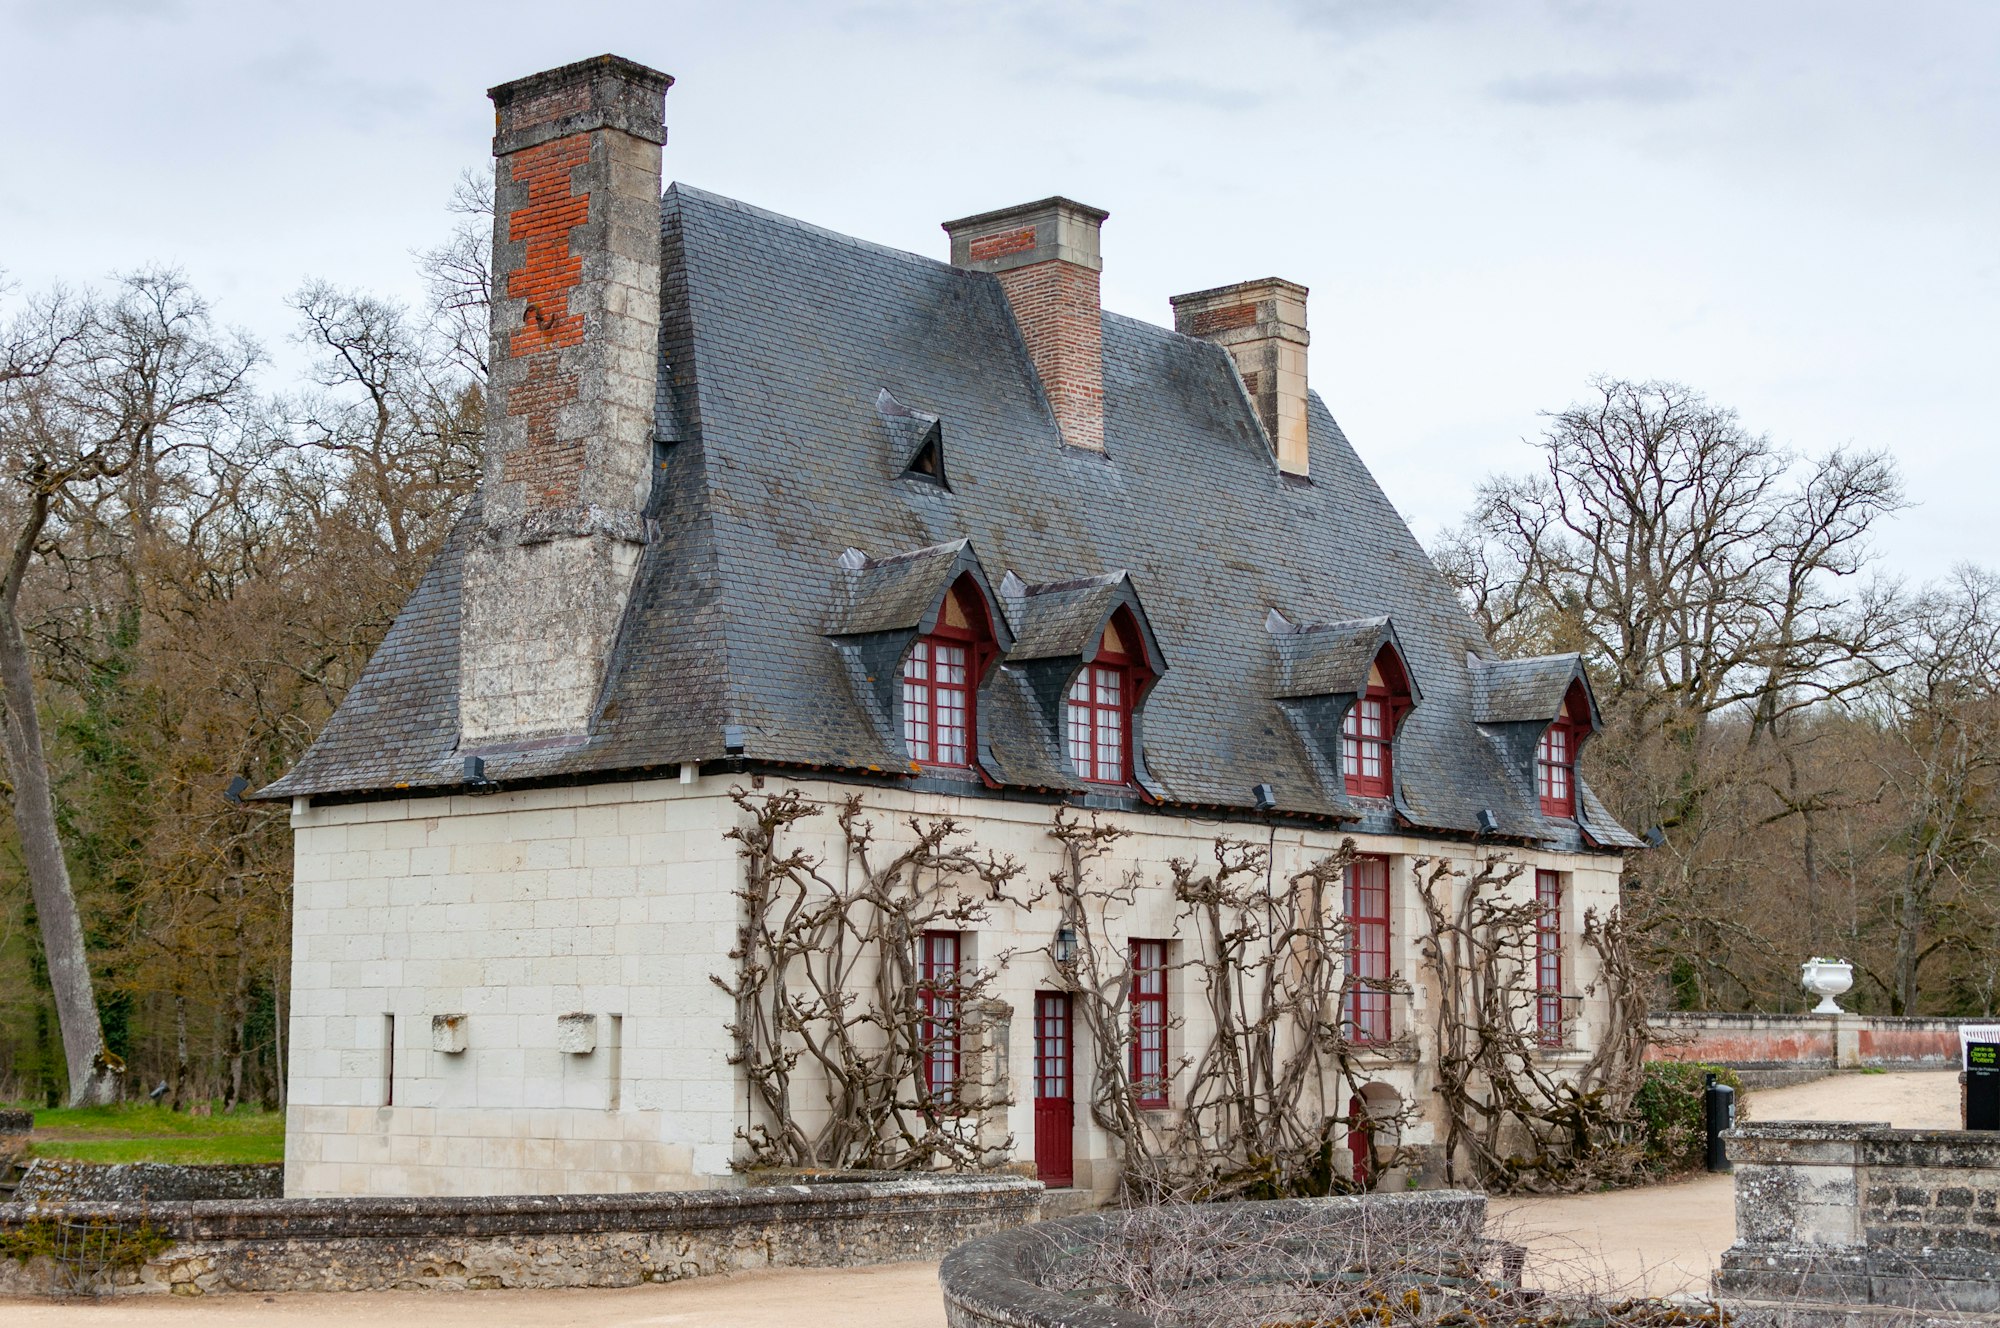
1516 1121
834 1024
1260 1097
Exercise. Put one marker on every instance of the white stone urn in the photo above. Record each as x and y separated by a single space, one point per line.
1826 979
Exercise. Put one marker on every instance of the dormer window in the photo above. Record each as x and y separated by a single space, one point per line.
941 681
1099 708
1555 756
1368 733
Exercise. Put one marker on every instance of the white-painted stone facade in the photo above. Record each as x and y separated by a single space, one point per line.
616 900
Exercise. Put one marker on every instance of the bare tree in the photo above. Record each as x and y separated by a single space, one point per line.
1708 577
92 398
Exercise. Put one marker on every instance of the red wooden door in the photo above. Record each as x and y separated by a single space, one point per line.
1055 1107
1360 1141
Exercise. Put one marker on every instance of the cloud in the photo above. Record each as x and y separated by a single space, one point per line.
1635 87
1181 92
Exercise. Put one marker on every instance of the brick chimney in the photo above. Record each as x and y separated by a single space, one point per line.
1046 257
1262 324
576 316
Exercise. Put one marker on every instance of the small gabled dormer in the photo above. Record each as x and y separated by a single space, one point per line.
919 633
1089 658
1346 688
1539 712
916 440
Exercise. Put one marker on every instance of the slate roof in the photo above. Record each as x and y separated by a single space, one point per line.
779 341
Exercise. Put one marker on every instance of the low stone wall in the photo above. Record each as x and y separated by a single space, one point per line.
1003 1280
60 1180
531 1240
1860 1214
1770 1049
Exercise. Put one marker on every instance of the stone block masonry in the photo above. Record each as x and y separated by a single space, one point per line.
1853 1213
523 1242
576 318
509 911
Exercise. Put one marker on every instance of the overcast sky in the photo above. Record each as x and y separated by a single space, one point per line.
1794 207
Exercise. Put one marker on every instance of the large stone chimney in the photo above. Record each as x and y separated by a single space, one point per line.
1046 257
1262 324
576 316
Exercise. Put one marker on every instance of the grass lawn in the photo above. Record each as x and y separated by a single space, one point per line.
142 1132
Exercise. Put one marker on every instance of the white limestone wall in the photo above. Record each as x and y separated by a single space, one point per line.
516 908
511 909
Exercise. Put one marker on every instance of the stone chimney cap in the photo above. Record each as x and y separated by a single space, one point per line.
1048 229
1244 311
1275 285
606 91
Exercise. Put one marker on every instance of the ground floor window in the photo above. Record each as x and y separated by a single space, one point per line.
1364 1002
1149 1023
937 994
1548 958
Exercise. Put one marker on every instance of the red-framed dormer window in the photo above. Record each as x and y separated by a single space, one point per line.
1098 712
1368 733
941 681
1555 755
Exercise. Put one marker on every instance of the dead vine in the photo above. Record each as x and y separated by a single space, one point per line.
1523 1121
827 978
1259 1101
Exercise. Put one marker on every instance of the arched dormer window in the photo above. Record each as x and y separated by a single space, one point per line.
1368 733
1555 755
1098 710
941 677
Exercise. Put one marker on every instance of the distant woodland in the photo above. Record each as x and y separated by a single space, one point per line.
199 563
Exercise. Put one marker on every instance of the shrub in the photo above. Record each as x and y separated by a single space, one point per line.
1669 1108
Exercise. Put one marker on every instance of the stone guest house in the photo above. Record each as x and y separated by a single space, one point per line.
767 505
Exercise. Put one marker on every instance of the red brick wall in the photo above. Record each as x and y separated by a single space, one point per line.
1056 305
548 467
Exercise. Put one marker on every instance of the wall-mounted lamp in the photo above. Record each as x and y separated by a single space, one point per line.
1065 945
732 739
1488 822
1267 797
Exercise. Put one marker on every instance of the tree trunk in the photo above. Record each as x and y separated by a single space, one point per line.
93 1070
180 1052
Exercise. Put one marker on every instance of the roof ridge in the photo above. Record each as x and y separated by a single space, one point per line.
680 189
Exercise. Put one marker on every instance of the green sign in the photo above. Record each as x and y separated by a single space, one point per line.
1982 1055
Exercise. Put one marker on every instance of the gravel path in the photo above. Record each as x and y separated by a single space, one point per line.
1665 1236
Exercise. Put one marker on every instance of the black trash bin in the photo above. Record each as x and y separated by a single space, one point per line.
1981 1096
1718 1103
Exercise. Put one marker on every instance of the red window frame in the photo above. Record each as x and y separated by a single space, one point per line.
1555 769
1368 730
1099 720
1102 699
1548 958
939 954
941 676
1364 1010
1367 748
1149 1023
